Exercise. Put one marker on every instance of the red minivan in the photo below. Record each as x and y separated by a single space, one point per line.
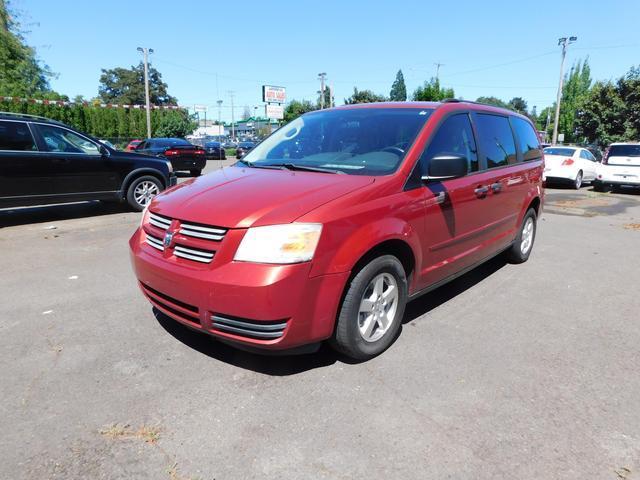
326 229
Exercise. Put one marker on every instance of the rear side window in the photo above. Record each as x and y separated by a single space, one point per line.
528 143
16 136
454 136
496 140
624 151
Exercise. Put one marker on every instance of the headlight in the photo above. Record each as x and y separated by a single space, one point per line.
290 243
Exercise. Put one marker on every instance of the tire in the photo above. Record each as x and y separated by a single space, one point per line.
355 336
519 251
577 183
598 187
136 196
195 173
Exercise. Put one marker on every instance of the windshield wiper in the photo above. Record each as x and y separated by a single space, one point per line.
253 165
305 168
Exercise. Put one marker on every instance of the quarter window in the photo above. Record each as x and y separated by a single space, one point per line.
528 143
16 136
61 140
496 140
454 136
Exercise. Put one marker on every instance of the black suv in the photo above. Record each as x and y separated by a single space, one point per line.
43 161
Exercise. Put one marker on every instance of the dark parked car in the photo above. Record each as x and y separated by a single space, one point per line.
43 161
214 151
182 154
229 144
243 148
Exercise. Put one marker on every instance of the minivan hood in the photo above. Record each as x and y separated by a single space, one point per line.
237 197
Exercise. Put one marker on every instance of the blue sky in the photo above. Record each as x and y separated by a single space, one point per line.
499 48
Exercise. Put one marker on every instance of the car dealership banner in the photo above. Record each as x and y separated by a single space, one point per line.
66 103
271 94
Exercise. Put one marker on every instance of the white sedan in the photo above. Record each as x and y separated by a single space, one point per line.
569 164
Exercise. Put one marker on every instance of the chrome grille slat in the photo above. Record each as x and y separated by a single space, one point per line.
207 236
192 254
200 231
154 242
159 221
219 231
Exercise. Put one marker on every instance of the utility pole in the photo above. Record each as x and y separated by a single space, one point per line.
233 127
145 53
219 102
438 65
322 76
564 42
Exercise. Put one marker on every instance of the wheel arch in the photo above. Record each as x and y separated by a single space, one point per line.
139 172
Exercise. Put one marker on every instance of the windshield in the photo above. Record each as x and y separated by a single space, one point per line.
560 151
624 151
371 141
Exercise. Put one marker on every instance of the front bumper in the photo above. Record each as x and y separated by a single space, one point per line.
272 307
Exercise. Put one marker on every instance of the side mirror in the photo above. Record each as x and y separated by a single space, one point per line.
446 166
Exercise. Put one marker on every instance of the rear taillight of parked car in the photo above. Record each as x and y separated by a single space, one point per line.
171 153
567 161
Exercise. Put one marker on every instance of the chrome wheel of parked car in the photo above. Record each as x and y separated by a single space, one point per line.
144 192
378 307
527 236
578 181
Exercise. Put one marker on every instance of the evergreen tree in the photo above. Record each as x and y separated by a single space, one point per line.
398 89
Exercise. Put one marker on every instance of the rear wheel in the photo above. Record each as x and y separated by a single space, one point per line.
598 187
523 244
195 173
142 190
577 183
372 309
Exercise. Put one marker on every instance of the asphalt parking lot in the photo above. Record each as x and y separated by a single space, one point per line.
512 371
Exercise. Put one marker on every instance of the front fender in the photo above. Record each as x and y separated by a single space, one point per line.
341 252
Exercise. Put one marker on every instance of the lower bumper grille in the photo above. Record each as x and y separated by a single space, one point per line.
176 308
249 328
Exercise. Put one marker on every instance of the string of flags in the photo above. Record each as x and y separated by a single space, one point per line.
67 103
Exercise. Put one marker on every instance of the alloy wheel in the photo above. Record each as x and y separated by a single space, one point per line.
144 192
378 307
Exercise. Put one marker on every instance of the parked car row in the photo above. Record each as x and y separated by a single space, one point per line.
619 166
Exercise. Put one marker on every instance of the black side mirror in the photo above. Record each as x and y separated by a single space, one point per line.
446 166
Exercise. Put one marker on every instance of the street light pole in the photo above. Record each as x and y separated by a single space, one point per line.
322 76
145 52
564 41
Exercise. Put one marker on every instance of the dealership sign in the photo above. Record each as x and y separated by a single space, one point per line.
271 94
274 111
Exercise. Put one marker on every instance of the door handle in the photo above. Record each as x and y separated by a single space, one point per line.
481 191
496 187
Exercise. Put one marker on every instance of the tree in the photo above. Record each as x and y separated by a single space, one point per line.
518 104
126 86
432 92
174 125
398 89
363 96
296 108
21 73
576 87
327 98
496 102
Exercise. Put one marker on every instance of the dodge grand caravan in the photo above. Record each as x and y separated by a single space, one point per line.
328 227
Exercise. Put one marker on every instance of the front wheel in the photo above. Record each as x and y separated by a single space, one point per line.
523 244
372 309
195 173
142 190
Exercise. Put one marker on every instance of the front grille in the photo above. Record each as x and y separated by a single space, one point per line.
195 254
159 221
202 231
177 308
155 242
249 328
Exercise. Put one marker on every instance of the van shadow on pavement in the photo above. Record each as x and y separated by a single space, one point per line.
11 217
284 365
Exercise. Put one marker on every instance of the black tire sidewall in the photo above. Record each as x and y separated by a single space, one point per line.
348 338
132 186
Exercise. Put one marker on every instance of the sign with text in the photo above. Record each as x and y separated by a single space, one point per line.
274 111
271 94
200 108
